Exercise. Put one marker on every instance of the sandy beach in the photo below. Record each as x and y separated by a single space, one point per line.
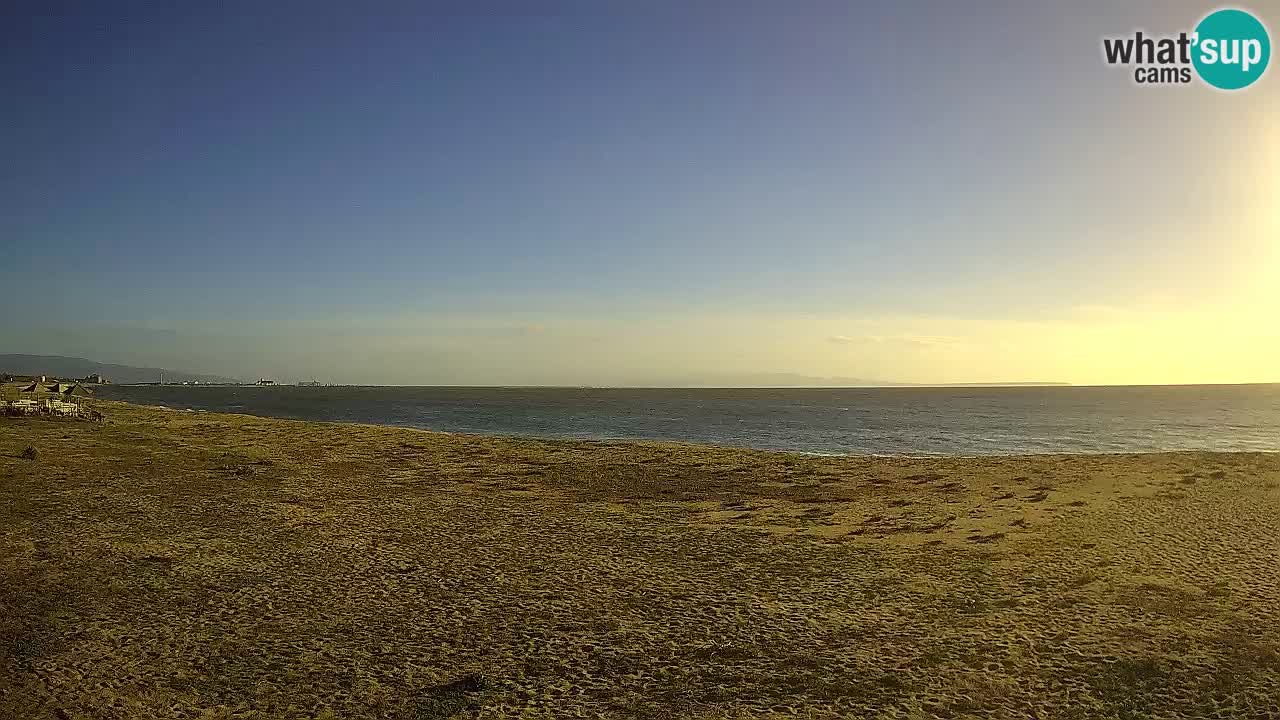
174 564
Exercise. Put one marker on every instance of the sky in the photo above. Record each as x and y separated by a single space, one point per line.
586 193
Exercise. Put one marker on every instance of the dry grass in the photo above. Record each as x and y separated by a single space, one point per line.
189 565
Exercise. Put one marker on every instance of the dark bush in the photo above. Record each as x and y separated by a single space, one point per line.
30 453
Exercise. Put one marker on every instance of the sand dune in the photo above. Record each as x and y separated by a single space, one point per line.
193 565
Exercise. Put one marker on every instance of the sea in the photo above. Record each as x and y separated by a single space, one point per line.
910 421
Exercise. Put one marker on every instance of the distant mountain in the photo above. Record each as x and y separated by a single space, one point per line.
785 379
788 380
73 367
1000 384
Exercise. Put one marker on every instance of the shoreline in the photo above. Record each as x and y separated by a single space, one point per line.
689 443
232 564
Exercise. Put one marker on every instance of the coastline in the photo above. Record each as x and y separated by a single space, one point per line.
932 422
692 444
224 563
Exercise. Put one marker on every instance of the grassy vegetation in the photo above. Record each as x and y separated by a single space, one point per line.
188 565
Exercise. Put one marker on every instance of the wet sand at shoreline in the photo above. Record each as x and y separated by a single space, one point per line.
192 565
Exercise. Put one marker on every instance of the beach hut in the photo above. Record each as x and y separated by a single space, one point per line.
36 396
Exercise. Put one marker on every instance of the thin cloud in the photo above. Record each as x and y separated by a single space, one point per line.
916 340
929 340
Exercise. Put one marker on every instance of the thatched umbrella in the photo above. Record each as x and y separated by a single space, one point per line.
73 391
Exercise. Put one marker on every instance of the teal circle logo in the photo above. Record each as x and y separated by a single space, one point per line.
1231 49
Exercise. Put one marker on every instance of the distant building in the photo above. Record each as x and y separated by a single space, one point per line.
94 379
265 381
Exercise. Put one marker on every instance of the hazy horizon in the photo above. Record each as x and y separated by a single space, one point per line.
758 381
57 366
574 194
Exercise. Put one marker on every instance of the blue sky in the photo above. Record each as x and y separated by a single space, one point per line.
599 193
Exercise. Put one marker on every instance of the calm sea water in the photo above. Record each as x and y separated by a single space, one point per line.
887 421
